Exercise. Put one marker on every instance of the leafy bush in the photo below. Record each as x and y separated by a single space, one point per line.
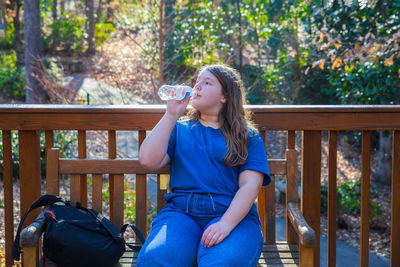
129 203
364 84
348 199
68 32
349 195
12 79
102 32
257 89
8 41
67 142
359 45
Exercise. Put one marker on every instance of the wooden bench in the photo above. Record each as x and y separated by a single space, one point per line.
298 249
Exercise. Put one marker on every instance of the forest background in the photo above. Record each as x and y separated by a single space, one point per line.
287 52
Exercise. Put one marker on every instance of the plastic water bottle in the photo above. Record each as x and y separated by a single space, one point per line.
174 92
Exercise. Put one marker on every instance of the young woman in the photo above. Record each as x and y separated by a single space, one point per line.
217 166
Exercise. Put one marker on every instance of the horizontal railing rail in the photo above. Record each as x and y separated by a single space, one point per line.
30 120
80 117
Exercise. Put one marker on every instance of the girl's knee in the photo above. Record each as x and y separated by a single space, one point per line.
165 255
227 260
147 257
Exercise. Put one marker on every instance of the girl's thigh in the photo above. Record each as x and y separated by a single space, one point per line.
173 241
241 248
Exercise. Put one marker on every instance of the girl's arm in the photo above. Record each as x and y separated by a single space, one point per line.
153 151
250 183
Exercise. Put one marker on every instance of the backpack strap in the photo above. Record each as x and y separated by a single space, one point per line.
106 224
102 220
40 202
139 235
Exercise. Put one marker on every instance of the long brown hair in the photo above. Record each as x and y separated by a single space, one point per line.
234 119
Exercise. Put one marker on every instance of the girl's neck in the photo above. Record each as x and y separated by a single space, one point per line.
210 120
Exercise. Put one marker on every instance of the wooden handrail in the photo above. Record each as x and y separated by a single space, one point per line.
115 166
306 233
144 117
90 166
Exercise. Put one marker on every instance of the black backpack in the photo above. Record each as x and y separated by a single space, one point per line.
77 236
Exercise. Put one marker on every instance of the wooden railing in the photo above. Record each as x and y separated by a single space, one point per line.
30 120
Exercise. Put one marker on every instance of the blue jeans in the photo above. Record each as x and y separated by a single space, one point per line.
175 238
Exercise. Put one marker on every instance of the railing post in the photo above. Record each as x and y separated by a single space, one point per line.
332 198
29 171
8 196
311 190
116 182
395 221
112 154
30 179
365 200
83 177
292 184
141 195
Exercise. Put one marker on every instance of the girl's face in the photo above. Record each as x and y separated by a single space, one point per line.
208 97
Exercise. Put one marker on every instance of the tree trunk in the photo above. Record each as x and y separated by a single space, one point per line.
55 17
161 44
110 11
17 34
240 38
34 90
99 11
169 7
62 6
384 172
384 7
3 14
90 16
168 28
297 69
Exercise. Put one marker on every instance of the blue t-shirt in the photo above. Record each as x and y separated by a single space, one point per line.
197 155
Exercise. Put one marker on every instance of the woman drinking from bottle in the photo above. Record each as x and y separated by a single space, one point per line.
218 164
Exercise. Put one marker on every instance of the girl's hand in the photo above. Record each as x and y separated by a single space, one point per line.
215 234
177 108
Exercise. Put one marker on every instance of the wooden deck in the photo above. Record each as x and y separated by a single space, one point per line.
277 255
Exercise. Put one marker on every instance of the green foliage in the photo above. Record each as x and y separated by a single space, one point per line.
102 32
52 67
348 199
7 42
138 17
331 52
129 203
203 34
265 32
105 192
12 78
66 141
349 195
68 33
360 45
364 84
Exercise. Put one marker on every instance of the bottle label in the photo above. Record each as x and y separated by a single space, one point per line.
187 94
